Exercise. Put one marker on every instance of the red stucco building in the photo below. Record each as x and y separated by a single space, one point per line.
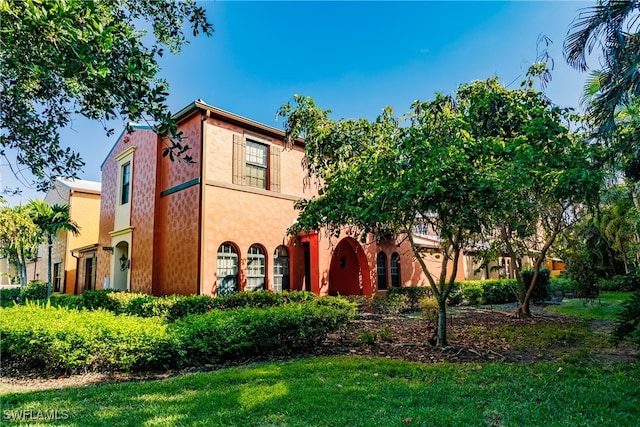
218 225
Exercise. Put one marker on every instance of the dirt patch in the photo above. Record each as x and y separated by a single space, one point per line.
395 337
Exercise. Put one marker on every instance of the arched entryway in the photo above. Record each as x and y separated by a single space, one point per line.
121 267
349 271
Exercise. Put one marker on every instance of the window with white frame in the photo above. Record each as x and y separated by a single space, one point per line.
281 269
256 167
256 162
256 268
227 269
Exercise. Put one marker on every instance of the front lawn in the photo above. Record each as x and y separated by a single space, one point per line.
607 307
353 391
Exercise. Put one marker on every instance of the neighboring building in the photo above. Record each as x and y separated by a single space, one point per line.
73 257
218 225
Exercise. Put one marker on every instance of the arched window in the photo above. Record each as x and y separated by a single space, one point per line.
227 272
395 269
382 271
281 269
256 268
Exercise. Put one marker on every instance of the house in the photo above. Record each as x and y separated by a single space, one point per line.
73 257
218 224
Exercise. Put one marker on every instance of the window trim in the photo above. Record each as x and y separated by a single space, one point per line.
125 185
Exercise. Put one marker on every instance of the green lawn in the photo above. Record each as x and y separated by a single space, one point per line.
606 307
351 391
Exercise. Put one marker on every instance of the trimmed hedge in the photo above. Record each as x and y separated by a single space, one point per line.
9 296
221 335
33 291
57 339
175 307
63 339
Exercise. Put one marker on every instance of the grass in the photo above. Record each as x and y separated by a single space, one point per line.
607 307
351 391
358 391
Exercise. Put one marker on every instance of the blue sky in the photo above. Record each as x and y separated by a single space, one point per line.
353 58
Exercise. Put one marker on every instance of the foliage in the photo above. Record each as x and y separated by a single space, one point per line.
612 26
588 258
61 339
62 58
9 296
19 237
389 304
51 219
33 291
66 300
624 283
541 291
546 178
561 286
414 295
358 391
628 321
221 335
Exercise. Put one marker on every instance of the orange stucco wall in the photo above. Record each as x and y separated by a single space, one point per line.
181 213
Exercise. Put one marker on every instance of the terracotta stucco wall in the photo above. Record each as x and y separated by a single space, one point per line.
177 218
142 204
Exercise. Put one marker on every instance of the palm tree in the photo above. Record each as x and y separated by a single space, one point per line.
51 219
612 26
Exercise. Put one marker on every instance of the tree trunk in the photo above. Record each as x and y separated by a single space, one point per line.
442 322
49 266
22 268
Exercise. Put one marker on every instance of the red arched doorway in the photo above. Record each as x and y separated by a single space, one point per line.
349 271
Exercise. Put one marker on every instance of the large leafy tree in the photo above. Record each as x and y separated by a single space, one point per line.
51 219
387 177
89 57
612 28
546 177
19 237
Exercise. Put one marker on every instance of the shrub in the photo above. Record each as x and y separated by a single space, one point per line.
94 300
220 335
33 291
455 296
561 286
629 282
62 339
66 300
628 323
391 304
9 296
473 292
414 295
500 291
430 309
541 291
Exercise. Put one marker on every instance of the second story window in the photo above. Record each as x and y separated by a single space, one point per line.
256 167
256 162
126 183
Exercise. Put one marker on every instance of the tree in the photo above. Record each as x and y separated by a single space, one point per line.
612 26
546 177
61 58
51 220
388 177
18 238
